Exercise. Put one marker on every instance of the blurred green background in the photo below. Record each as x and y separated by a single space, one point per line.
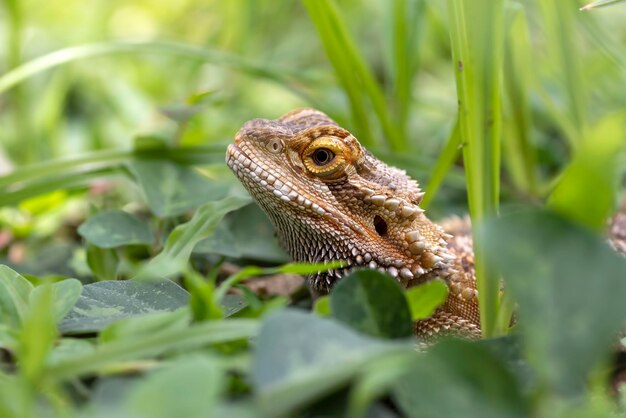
101 102
114 120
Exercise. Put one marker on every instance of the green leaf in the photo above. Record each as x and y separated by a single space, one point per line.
172 189
103 262
155 344
425 298
586 191
66 294
244 233
103 303
373 303
68 348
459 379
203 303
570 288
143 325
115 228
38 332
322 306
187 388
14 293
183 238
301 357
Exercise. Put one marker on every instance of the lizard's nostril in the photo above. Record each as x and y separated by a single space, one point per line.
380 225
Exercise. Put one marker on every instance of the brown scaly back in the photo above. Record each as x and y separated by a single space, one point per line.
330 199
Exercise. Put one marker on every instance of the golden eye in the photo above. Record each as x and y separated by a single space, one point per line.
325 158
322 156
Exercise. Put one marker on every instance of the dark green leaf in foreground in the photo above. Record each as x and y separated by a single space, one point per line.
114 228
186 388
301 357
103 303
154 344
14 293
459 379
570 287
373 303
172 189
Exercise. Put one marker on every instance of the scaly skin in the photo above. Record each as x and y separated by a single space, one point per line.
330 199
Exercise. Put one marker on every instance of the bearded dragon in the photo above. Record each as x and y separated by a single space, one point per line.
330 199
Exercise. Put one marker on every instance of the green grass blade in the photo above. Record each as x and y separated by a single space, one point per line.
601 3
476 32
519 152
291 80
442 166
65 181
406 22
559 23
343 71
349 65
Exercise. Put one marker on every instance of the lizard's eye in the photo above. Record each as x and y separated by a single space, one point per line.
325 158
322 156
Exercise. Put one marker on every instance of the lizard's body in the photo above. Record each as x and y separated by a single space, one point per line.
330 199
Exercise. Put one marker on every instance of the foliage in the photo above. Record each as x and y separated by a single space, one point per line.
128 250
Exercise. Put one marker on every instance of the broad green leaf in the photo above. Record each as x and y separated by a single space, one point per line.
172 189
68 348
244 233
8 337
300 357
103 303
585 192
136 326
372 303
188 388
183 238
103 262
425 298
38 332
158 343
115 228
14 293
459 379
570 288
66 293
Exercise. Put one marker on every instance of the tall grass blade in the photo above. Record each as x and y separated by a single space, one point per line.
442 166
476 32
519 151
601 3
351 67
559 23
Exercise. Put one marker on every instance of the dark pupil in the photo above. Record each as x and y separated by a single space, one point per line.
322 156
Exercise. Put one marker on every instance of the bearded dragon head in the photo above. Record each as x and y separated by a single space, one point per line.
330 199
